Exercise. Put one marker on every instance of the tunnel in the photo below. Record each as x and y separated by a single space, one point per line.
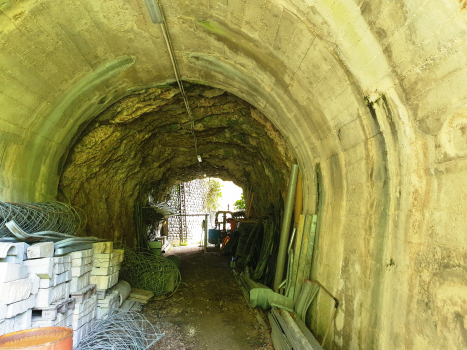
367 97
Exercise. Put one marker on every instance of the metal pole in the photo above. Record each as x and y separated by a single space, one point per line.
205 232
289 203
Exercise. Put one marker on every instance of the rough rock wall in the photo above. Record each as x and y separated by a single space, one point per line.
146 139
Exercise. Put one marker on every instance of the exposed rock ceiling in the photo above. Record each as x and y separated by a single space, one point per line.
145 140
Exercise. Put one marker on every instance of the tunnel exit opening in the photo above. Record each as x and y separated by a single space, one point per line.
173 220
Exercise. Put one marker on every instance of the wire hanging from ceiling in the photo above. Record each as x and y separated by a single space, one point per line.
157 16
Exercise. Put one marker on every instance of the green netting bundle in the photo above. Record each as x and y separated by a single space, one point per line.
147 271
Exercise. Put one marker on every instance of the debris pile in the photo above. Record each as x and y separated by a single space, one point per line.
66 281
264 252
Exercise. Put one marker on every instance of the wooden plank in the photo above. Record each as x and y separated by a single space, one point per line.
289 273
141 293
298 244
311 247
298 199
302 256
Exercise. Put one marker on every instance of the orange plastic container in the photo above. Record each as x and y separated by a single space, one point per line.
48 338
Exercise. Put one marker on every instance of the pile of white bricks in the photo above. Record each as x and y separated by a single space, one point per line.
107 263
83 292
38 289
18 288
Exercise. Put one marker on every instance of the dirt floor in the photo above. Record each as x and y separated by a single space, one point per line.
208 310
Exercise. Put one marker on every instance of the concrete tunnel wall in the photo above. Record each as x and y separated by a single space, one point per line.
370 95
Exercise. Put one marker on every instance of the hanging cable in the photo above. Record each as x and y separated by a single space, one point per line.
157 16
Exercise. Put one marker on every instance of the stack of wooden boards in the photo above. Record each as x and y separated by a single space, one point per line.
289 332
300 255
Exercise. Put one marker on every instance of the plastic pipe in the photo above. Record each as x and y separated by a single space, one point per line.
124 289
289 203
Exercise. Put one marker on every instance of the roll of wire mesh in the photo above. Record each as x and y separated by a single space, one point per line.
148 271
121 330
45 216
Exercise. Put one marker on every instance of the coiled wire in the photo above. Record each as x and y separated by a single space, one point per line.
45 216
121 330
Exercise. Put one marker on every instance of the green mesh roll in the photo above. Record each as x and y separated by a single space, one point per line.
150 272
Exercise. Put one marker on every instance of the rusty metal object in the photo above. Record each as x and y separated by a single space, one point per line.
48 338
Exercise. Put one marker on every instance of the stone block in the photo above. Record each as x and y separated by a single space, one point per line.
45 297
44 268
110 300
85 306
121 254
103 247
84 294
103 271
106 260
84 313
80 270
81 261
82 254
78 283
20 306
11 272
40 250
62 320
11 292
18 323
51 312
3 310
105 282
78 334
83 319
35 283
13 252
62 264
55 280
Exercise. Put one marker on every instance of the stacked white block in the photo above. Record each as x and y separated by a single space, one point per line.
84 293
111 301
18 289
54 286
106 267
81 266
84 315
53 307
56 315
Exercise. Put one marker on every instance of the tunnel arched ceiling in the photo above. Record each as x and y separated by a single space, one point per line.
143 143
370 96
